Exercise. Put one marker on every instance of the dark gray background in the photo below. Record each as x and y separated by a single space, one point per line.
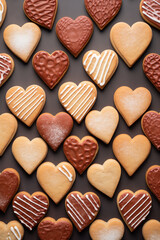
24 76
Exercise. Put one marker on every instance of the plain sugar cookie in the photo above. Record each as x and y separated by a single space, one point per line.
151 230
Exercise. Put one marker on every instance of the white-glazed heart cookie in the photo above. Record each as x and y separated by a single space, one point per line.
77 100
100 67
102 124
111 230
132 104
11 231
6 67
8 128
29 154
105 177
56 180
3 10
26 104
131 152
151 230
130 42
22 41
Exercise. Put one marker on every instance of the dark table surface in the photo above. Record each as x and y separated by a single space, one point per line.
24 76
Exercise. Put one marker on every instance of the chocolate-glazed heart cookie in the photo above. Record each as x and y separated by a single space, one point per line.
151 127
74 34
153 180
30 209
42 12
80 153
151 68
50 229
9 183
82 209
50 67
102 11
6 67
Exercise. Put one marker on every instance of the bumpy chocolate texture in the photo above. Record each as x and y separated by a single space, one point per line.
151 11
51 68
80 155
134 208
151 127
151 68
103 11
30 210
9 183
41 11
153 181
74 34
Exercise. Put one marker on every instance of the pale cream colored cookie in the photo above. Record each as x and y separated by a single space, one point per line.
13 230
26 104
131 152
151 230
102 124
130 42
22 41
77 100
111 230
132 104
105 177
8 128
56 181
29 154
100 67
3 10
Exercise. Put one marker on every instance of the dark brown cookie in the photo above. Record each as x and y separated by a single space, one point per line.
153 180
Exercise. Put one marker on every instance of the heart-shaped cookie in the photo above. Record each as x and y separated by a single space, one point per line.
102 124
56 180
22 41
150 11
50 229
26 104
6 67
74 34
30 209
8 128
11 231
130 42
111 230
54 129
151 230
77 100
131 152
150 124
151 68
102 11
29 154
100 67
50 67
153 180
132 104
9 184
105 177
82 209
80 153
42 12
134 207
3 10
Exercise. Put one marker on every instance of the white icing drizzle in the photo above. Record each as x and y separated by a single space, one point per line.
67 173
147 8
128 202
34 202
85 205
26 103
28 204
16 232
74 219
142 219
69 203
15 202
142 216
1 11
123 198
26 224
134 205
74 214
94 201
85 93
25 214
140 212
17 213
91 203
4 66
40 200
106 60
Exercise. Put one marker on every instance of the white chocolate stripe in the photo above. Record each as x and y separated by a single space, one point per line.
123 198
66 105
127 202
25 214
85 205
67 173
66 92
156 2
24 96
142 219
26 105
74 219
108 67
2 10
15 97
71 92
95 64
13 94
40 200
74 214
69 203
79 107
134 205
91 202
15 202
85 109
151 10
95 201
100 65
4 66
16 232
26 224
27 101
88 55
64 89
140 212
24 219
34 108
34 202
28 204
